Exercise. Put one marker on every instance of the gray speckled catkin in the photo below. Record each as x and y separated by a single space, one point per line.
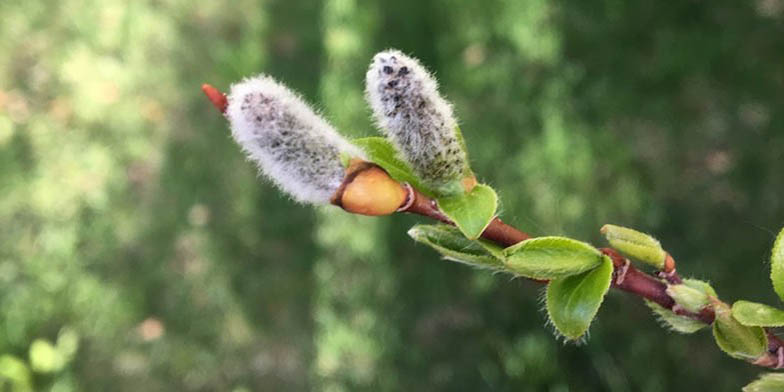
415 118
292 145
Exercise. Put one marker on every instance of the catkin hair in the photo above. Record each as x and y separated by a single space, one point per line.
291 145
415 118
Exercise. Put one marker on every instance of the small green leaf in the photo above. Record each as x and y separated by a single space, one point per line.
688 297
67 343
448 241
735 339
701 285
572 302
777 265
15 370
471 211
752 314
635 244
673 321
551 257
769 382
383 153
44 358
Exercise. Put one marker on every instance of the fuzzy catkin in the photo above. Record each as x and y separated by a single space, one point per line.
415 118
292 145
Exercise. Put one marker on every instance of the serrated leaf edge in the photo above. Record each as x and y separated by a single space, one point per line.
606 261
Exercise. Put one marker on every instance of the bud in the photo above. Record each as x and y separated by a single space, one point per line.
689 298
293 146
637 245
417 120
700 285
369 190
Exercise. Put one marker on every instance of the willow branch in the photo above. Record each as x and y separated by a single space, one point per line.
625 276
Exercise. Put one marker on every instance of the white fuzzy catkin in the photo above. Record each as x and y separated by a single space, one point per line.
292 145
413 115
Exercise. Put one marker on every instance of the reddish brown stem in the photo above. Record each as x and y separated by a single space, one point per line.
425 206
497 231
668 272
501 233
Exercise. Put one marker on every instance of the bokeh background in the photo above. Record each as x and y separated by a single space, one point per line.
139 251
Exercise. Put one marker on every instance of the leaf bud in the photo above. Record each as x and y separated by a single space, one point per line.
369 190
635 244
689 298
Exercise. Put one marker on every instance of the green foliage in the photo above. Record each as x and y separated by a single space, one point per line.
759 315
44 357
736 339
67 343
453 245
14 374
777 265
381 152
572 302
471 211
635 244
673 321
769 382
551 257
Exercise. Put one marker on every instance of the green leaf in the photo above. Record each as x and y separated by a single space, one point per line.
753 314
572 302
635 244
551 257
67 343
383 153
673 321
448 241
777 265
769 382
736 339
44 358
15 370
471 211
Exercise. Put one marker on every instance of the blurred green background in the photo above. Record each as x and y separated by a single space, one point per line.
139 252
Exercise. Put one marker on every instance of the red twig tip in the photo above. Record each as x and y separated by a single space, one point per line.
217 98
